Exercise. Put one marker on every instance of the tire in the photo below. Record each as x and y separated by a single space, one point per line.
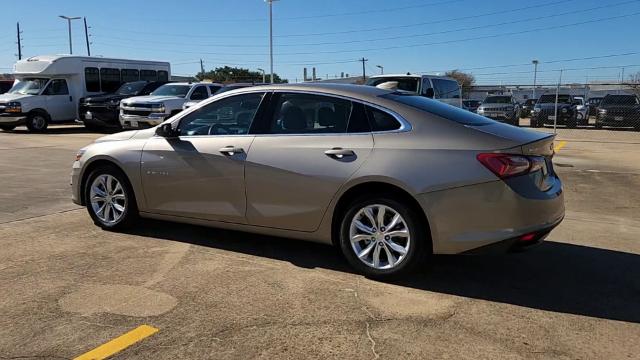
37 121
416 247
122 211
7 127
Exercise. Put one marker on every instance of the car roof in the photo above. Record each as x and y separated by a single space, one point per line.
415 76
361 92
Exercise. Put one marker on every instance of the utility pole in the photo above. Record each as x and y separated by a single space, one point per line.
364 73
381 69
270 2
535 76
86 37
19 42
202 68
555 118
68 18
621 80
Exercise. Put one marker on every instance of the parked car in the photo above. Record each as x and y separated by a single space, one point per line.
594 102
5 85
527 107
441 88
471 105
162 103
49 87
503 108
619 111
213 89
388 177
545 109
582 110
98 112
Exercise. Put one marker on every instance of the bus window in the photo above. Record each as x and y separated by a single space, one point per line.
163 75
130 75
148 75
110 79
92 79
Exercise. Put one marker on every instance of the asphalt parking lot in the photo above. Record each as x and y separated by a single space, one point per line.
69 287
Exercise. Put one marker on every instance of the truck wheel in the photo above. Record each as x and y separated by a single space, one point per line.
7 127
37 122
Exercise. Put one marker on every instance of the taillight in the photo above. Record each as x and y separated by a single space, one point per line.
505 165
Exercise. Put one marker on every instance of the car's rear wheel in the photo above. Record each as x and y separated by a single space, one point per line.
110 199
7 127
37 122
382 238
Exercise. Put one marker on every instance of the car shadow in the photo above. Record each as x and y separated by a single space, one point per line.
553 276
54 130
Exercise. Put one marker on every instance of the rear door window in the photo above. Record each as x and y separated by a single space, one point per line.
295 113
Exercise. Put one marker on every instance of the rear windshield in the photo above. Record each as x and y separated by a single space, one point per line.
396 83
562 99
498 100
620 100
438 108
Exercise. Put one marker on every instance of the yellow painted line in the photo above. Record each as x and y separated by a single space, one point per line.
118 344
559 146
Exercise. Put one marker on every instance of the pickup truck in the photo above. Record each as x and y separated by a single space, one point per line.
164 102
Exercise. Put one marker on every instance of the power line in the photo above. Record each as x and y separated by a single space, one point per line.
519 21
501 12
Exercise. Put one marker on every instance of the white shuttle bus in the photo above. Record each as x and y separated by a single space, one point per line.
48 88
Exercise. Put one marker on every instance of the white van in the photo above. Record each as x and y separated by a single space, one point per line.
442 88
48 88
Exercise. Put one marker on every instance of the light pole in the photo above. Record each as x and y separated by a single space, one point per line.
381 69
535 75
263 76
69 18
270 2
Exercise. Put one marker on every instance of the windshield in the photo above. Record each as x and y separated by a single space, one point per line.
396 82
620 100
131 88
550 99
28 86
498 100
172 90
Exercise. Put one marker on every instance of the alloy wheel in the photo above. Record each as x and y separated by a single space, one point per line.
108 199
379 237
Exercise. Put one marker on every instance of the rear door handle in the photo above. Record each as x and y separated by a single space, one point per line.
339 153
231 150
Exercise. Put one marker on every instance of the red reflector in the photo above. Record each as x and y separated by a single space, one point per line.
528 237
505 165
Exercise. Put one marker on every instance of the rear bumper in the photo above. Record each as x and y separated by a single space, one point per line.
472 217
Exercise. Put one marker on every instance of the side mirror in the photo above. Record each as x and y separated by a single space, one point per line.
167 131
429 93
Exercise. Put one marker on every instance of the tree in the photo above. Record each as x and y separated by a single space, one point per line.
466 80
227 75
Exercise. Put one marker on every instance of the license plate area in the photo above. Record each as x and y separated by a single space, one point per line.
618 118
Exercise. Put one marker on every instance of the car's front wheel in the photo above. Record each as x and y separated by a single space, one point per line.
110 199
37 121
383 238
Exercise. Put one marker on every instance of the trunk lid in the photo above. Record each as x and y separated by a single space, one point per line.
528 142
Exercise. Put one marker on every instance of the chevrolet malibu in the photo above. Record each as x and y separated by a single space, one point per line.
387 176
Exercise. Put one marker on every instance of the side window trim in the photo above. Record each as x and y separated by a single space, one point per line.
405 125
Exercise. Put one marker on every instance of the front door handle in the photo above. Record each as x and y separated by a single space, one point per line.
339 153
231 150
